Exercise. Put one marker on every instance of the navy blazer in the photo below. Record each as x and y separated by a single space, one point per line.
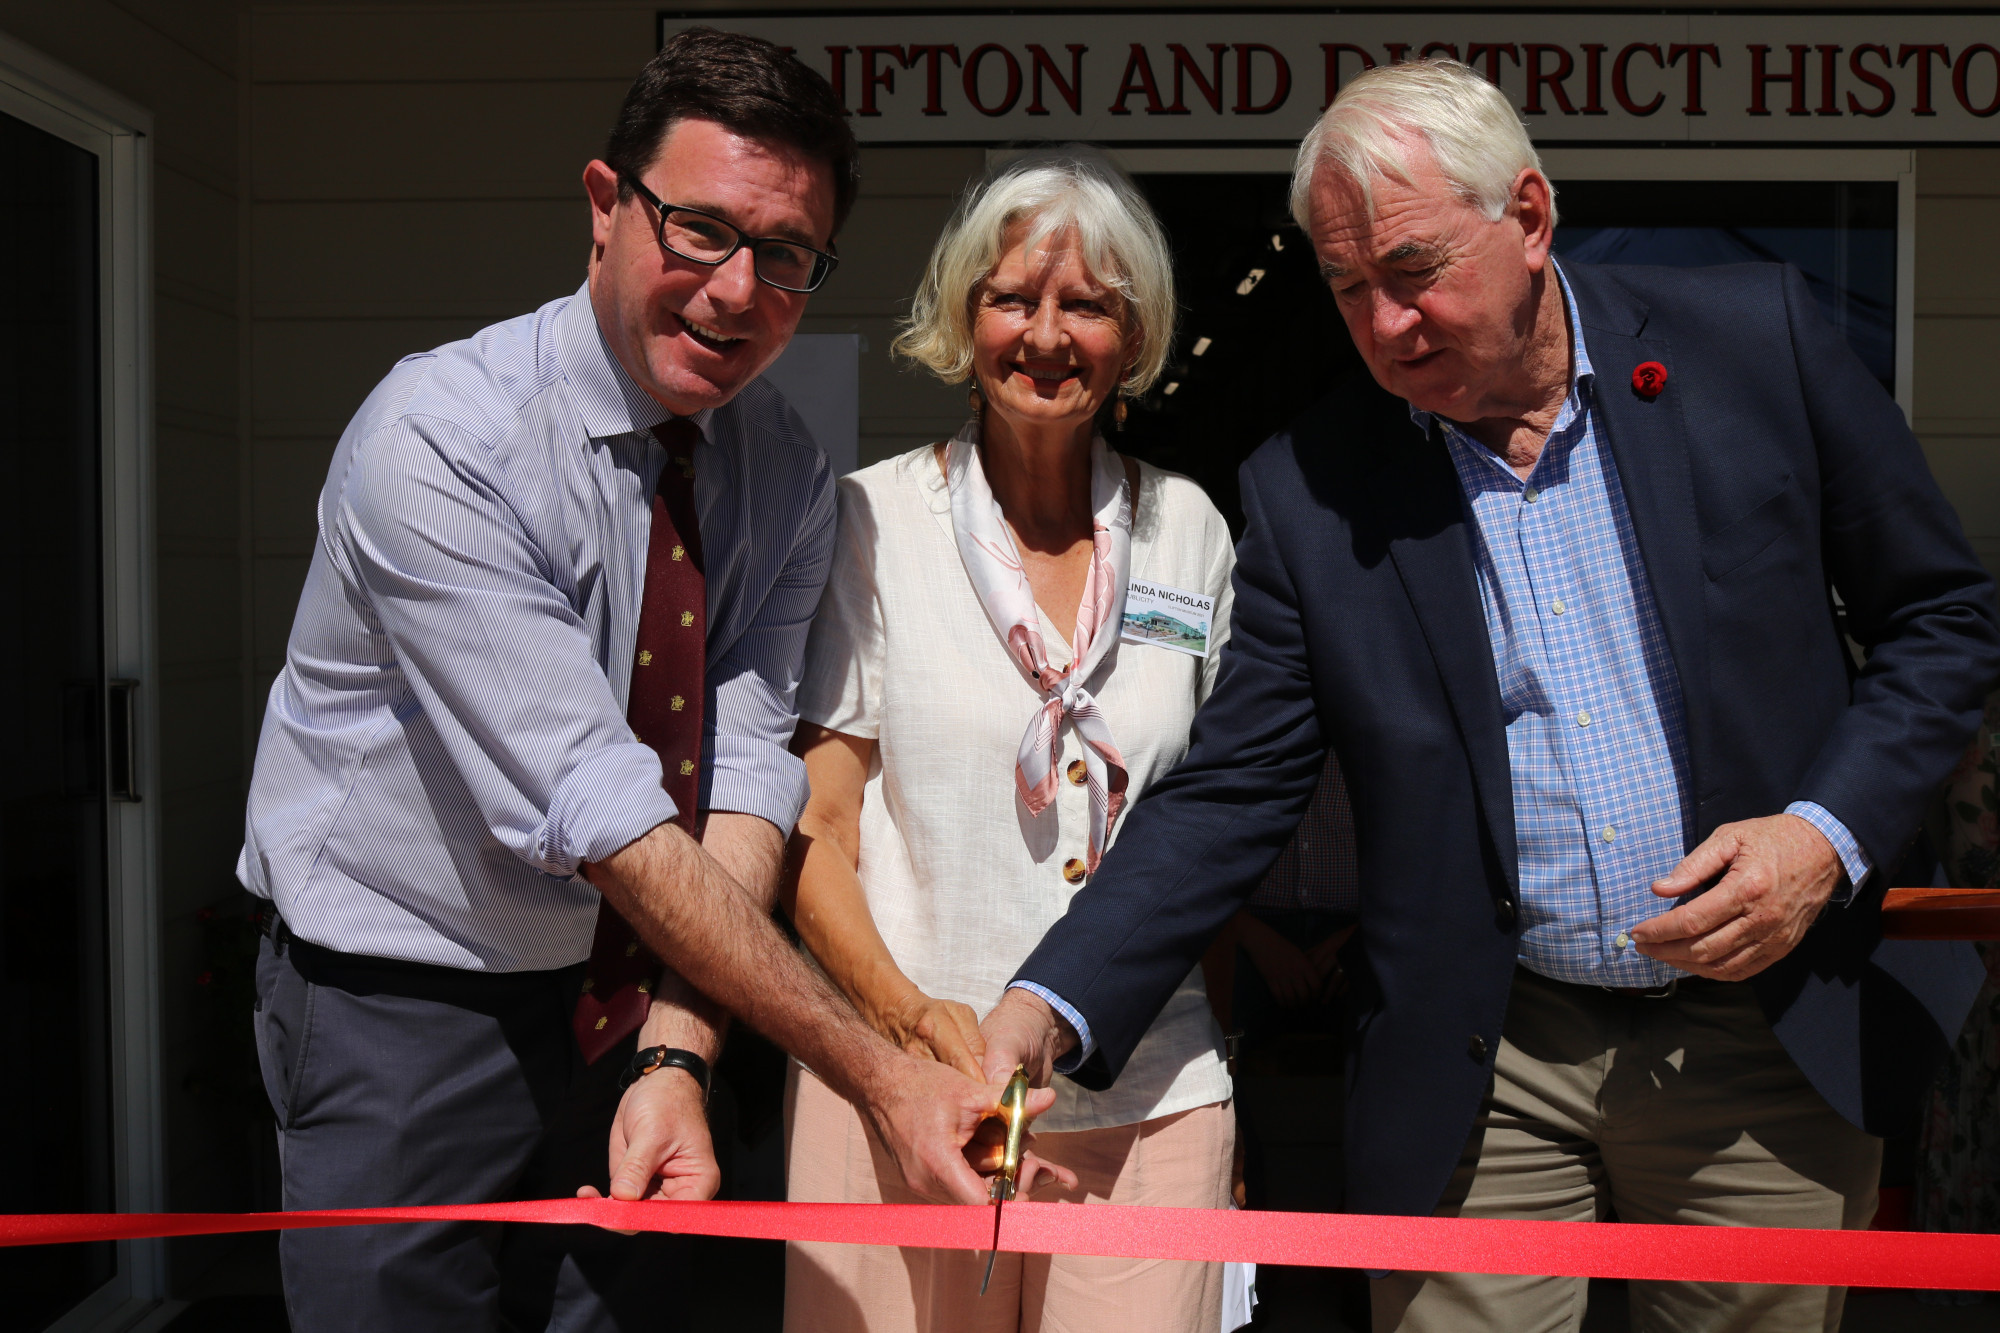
1771 468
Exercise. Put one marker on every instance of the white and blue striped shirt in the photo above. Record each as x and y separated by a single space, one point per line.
1596 728
447 740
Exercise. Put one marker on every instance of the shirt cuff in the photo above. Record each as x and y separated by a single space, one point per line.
1084 1045
1852 858
611 799
755 777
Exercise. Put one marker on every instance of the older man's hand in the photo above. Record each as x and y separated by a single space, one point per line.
1024 1030
1771 877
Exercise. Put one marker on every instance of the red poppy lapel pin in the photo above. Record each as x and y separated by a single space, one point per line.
1648 378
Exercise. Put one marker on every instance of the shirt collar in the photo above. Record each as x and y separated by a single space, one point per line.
1582 379
607 399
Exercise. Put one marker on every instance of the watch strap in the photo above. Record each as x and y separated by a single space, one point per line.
652 1059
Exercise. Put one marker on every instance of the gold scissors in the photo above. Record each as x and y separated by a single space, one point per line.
1013 1110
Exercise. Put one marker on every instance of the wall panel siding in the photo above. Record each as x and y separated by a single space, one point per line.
485 259
486 140
1958 333
290 474
311 374
374 44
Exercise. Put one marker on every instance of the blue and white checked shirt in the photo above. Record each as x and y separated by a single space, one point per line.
447 740
1596 732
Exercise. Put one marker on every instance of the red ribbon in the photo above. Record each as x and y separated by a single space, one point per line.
1327 1240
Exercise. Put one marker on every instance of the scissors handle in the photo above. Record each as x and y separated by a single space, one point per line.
1013 1110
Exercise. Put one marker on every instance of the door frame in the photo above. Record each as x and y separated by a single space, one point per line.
1718 163
56 99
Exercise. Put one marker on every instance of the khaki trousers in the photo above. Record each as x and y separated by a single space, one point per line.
1179 1161
1685 1110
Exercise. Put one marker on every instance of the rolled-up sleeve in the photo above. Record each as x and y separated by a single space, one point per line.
494 654
754 771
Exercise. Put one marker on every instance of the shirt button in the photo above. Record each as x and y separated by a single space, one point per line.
1074 870
1078 773
1531 495
1559 606
1610 834
1583 719
1623 940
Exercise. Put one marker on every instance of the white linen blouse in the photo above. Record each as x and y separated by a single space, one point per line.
962 881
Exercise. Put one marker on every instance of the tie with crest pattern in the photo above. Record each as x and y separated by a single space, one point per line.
665 711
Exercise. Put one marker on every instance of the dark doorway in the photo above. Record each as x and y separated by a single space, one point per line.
1259 337
55 1037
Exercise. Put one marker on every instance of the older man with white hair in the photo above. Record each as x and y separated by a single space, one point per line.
1557 582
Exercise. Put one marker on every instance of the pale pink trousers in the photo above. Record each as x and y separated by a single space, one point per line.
1178 1161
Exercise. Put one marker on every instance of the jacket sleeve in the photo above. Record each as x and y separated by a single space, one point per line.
1918 600
1204 835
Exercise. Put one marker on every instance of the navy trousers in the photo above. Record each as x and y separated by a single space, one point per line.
399 1083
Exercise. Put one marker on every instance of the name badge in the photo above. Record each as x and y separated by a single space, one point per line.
1167 617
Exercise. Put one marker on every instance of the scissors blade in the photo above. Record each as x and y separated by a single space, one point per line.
999 1201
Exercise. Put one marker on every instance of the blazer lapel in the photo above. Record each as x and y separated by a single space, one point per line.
1424 524
1648 440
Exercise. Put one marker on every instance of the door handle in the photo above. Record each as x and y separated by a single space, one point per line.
122 739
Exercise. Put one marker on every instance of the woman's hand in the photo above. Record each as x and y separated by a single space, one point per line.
941 1030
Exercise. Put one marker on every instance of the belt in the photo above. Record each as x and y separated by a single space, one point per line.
1666 990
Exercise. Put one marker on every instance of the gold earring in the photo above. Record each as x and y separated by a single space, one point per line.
1118 414
974 401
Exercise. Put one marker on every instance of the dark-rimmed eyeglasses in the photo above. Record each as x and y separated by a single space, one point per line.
704 238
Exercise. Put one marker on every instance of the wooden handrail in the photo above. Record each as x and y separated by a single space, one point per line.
1941 914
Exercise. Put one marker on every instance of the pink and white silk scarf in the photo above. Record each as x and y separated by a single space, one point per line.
1000 582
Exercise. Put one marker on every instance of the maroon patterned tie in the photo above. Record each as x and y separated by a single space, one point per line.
665 713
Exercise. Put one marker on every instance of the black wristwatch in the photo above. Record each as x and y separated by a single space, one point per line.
654 1058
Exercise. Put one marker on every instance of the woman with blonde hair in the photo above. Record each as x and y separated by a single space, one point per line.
1016 632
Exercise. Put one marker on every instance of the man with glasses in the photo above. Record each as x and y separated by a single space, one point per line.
535 706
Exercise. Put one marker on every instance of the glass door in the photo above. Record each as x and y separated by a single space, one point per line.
55 1000
1840 234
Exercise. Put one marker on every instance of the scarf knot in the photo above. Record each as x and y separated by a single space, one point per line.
1001 583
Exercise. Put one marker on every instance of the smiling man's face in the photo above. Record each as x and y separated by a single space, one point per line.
1440 300
689 334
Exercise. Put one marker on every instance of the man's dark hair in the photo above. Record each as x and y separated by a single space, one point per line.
746 85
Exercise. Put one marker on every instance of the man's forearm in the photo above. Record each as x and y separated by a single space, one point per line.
685 1019
752 851
717 935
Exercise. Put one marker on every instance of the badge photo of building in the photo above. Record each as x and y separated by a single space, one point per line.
226 221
